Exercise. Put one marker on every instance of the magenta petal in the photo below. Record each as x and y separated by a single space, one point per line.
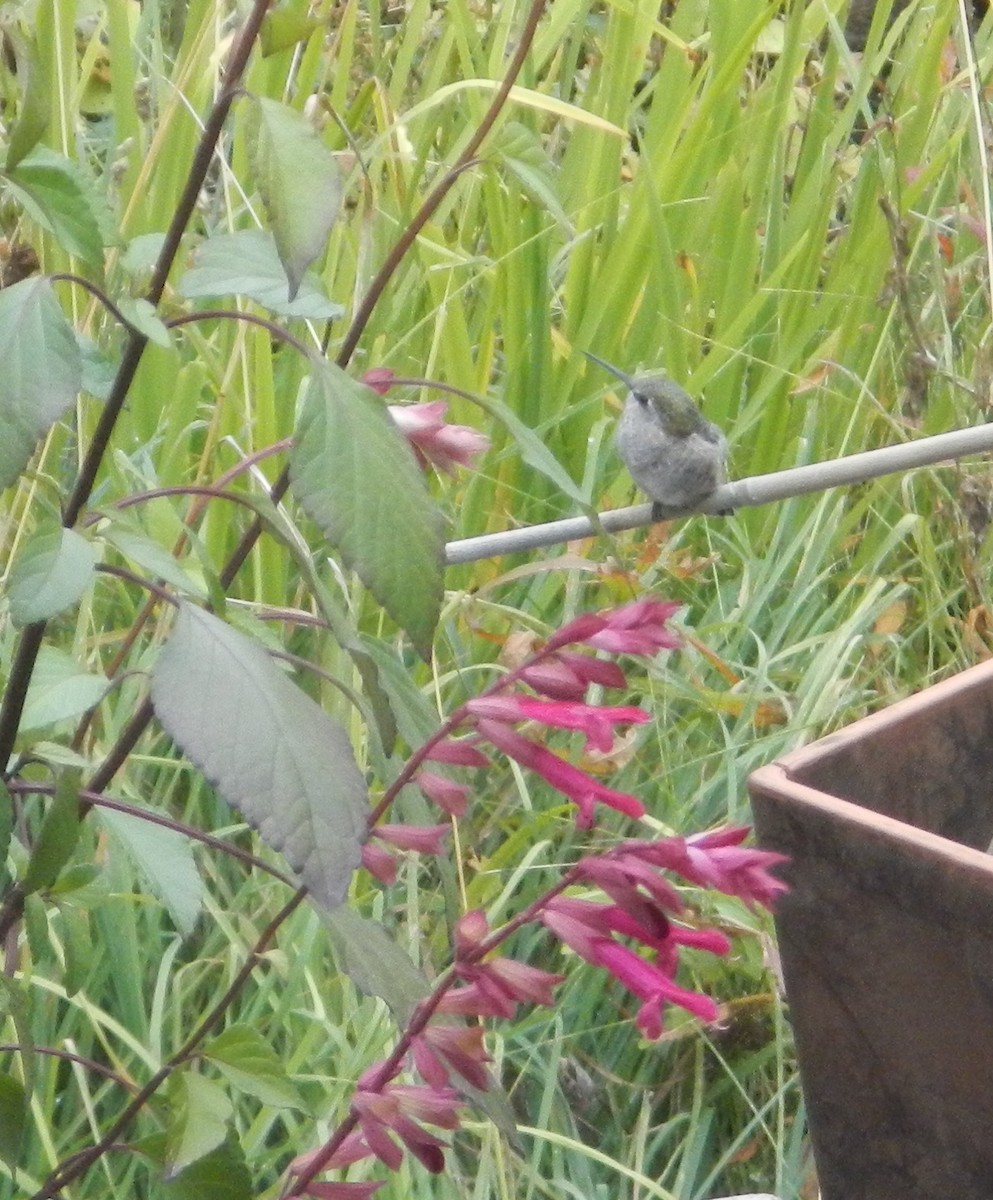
457 752
450 796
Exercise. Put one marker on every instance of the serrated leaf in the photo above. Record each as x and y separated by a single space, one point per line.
220 1175
201 1111
13 1120
34 109
60 689
58 835
300 184
355 475
152 557
270 750
49 187
374 962
42 370
164 859
247 263
250 1064
49 575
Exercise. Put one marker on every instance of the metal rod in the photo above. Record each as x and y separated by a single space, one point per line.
742 493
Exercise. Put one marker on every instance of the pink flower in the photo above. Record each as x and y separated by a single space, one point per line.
458 753
424 839
440 1049
566 675
380 379
638 628
595 721
342 1191
581 788
446 446
652 985
396 1110
717 860
446 793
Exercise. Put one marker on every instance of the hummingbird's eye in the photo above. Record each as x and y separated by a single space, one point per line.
640 397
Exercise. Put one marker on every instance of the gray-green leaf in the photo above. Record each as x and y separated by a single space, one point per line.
270 750
355 475
300 183
375 963
246 263
49 575
42 371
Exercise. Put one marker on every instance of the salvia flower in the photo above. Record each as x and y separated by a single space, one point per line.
595 721
396 1111
433 440
638 628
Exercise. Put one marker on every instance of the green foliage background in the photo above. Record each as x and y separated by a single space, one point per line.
703 193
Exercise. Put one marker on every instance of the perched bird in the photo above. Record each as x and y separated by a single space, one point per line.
673 452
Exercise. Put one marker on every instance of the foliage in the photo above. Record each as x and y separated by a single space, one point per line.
209 189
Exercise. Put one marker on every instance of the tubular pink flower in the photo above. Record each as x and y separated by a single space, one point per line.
380 863
434 441
380 379
450 796
423 839
440 1049
637 628
474 1000
717 860
459 752
653 986
471 929
582 789
396 1109
343 1191
567 674
596 722
352 1150
516 980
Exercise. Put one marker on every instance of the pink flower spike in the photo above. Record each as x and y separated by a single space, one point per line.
424 839
446 446
457 752
582 789
450 796
649 983
596 722
380 379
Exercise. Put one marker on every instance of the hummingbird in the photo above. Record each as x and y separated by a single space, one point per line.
670 448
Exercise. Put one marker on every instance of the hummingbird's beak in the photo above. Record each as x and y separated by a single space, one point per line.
624 378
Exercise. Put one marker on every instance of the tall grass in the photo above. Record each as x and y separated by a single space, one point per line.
702 195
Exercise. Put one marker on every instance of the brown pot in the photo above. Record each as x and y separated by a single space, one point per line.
887 942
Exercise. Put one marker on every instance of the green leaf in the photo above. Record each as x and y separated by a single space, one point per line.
34 109
141 315
354 473
42 371
286 25
534 451
164 859
270 750
59 690
51 189
49 575
250 1064
77 946
150 556
300 184
220 1175
246 263
201 1111
58 835
375 963
13 1120
13 1000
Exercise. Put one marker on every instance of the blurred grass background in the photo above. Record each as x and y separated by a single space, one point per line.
796 233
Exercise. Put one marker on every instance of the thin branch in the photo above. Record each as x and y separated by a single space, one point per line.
743 493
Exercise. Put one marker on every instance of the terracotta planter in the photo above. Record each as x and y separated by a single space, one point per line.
887 942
